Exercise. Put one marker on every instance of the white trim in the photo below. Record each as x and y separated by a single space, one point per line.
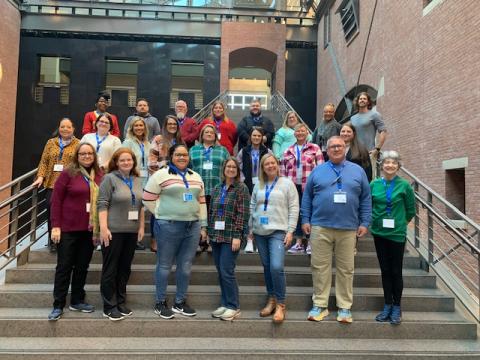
452 164
431 6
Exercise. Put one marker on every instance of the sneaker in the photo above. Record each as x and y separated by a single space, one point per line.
296 249
309 249
162 310
183 308
230 315
199 249
99 248
55 314
249 247
114 315
83 307
125 311
396 315
385 314
317 313
344 316
218 312
139 246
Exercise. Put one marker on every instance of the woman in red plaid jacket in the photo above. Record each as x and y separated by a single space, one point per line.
298 162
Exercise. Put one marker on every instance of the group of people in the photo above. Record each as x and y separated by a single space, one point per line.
281 188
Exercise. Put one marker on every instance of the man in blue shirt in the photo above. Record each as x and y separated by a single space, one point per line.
336 208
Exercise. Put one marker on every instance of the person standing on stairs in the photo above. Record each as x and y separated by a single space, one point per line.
227 218
285 136
75 228
122 223
327 128
188 126
226 128
273 218
151 122
91 117
393 202
255 118
336 208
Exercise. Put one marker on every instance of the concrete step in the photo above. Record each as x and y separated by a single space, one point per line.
207 275
251 297
366 259
249 325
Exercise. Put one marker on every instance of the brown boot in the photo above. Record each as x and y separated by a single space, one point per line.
269 307
279 314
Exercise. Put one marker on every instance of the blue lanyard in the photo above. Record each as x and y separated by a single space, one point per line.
268 191
299 154
87 180
338 180
206 153
182 174
142 149
99 142
180 121
389 192
255 158
129 182
223 195
256 119
62 146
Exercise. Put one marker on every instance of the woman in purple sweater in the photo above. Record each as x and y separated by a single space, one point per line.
74 228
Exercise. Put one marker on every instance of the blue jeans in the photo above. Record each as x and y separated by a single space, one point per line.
272 254
176 240
225 260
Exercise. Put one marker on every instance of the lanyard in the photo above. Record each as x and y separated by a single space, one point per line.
99 142
389 192
255 158
129 182
87 181
338 180
217 124
142 149
299 154
181 121
257 119
182 174
206 153
268 191
62 146
223 195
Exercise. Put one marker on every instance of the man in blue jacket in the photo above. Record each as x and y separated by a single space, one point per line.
336 208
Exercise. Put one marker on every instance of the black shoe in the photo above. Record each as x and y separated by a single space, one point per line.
140 246
184 309
125 311
162 310
114 315
55 314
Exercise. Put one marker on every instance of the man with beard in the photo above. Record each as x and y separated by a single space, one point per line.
142 110
255 118
188 126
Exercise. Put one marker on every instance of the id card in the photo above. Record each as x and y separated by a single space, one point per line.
219 225
388 223
340 197
264 220
87 207
255 180
144 173
187 197
58 167
133 215
208 166
219 136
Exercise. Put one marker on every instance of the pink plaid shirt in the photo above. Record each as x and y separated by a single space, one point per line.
311 156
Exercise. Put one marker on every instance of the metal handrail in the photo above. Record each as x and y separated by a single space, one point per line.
281 106
203 112
452 253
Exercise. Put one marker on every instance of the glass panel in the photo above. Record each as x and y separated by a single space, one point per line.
197 17
180 16
121 74
148 14
213 17
130 13
112 12
48 10
54 70
33 9
293 21
81 11
164 15
99 12
64 10
187 76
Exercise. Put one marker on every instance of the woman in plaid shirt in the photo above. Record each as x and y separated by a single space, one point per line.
298 162
227 218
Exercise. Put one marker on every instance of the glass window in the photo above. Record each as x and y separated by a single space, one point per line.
81 11
54 71
131 13
187 78
121 77
112 12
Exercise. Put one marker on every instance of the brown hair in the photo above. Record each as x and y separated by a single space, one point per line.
178 135
224 166
218 102
112 165
74 167
357 150
370 104
200 137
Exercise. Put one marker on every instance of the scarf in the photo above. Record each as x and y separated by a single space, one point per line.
93 222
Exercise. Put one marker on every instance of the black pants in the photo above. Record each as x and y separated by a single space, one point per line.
74 253
116 269
390 257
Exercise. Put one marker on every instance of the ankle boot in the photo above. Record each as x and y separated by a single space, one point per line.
279 314
269 307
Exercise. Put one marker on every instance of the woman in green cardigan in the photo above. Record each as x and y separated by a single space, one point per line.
393 207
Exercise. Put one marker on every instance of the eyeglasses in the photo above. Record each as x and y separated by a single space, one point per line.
336 147
103 122
86 154
181 155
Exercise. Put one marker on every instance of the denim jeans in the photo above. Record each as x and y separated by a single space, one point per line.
272 254
176 241
225 260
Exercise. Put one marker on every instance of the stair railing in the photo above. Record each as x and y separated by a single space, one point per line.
448 242
22 212
207 109
281 106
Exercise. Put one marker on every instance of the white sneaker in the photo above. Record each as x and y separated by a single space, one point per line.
219 311
230 315
249 247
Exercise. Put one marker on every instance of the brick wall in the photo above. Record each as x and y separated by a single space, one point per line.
431 70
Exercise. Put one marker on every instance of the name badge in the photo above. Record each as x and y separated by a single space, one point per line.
208 166
133 215
219 225
58 167
87 207
219 136
389 223
255 180
264 220
187 197
143 173
340 197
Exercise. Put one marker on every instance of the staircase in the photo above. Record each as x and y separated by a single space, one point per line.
431 327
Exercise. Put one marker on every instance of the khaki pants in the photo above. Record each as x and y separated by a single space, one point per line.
324 241
375 170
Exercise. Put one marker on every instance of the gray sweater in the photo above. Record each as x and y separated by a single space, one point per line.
115 197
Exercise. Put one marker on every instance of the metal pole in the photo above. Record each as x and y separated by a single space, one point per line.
430 230
12 240
416 229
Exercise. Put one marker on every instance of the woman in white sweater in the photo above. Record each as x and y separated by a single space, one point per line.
274 212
